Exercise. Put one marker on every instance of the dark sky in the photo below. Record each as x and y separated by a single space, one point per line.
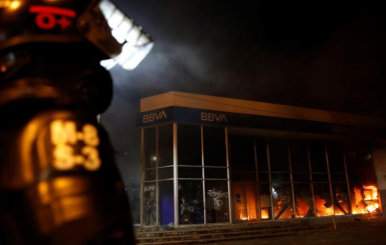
319 54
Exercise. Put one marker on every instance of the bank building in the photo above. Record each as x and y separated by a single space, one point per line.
213 160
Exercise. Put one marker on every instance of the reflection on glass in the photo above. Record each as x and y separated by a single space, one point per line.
323 203
217 201
303 200
265 201
149 203
244 195
214 146
341 199
189 145
165 142
191 208
150 148
282 201
166 203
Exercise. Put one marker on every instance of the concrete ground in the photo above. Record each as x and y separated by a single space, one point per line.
364 232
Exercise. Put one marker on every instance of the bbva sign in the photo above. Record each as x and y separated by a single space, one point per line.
213 117
155 116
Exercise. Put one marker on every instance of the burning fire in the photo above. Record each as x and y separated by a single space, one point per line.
264 214
323 208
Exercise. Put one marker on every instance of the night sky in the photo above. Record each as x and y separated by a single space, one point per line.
318 54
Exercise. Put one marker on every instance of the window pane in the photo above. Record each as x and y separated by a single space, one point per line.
282 201
263 176
303 201
338 178
244 176
320 178
359 162
149 203
358 203
189 145
261 152
166 211
278 152
280 177
165 144
191 208
299 157
323 201
214 146
242 153
265 201
335 158
165 173
150 175
317 157
245 200
217 201
216 173
150 148
301 177
341 200
185 172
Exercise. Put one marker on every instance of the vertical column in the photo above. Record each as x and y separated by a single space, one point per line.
203 171
231 218
142 175
312 184
348 183
257 199
379 159
329 182
270 178
156 177
175 174
292 180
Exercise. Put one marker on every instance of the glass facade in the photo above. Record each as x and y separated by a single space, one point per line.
194 174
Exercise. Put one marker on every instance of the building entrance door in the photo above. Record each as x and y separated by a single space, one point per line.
244 198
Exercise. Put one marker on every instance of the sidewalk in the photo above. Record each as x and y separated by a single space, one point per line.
365 232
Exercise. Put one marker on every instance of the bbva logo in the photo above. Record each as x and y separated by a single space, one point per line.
153 117
213 117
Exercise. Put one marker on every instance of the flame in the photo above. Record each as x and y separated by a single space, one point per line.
321 208
264 214
371 192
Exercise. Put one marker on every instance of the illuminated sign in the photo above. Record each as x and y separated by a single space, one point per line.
64 137
46 19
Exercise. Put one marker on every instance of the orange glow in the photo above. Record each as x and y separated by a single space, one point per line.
322 207
245 201
265 214
371 192
302 208
357 203
12 5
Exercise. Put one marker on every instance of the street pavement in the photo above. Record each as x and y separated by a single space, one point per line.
360 232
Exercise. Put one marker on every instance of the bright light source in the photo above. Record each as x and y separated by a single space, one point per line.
155 158
136 43
12 5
